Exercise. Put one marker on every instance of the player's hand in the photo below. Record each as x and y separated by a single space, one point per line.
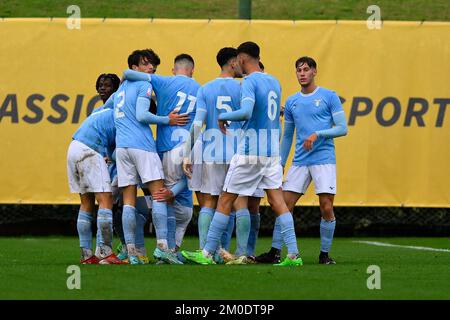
308 143
223 124
187 167
163 194
176 119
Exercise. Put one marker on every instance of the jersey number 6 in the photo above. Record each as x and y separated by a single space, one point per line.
272 106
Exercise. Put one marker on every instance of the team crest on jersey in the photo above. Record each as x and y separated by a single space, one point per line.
149 92
317 102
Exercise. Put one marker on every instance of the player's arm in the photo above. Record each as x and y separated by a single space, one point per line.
156 80
288 135
340 127
194 132
246 109
132 75
165 194
340 122
143 114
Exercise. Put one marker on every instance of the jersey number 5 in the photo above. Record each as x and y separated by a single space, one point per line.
220 104
272 105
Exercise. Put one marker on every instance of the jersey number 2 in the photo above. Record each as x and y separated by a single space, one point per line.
120 114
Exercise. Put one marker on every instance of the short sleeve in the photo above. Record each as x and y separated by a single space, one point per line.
201 103
335 103
145 90
247 90
288 116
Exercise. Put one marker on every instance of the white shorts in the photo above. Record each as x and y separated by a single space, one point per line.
213 177
135 163
248 173
86 169
172 163
195 183
259 193
298 178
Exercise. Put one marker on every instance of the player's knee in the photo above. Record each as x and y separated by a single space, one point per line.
183 217
105 200
327 210
276 204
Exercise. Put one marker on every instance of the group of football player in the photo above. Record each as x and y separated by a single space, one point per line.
221 141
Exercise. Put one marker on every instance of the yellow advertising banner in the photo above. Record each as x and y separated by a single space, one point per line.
394 81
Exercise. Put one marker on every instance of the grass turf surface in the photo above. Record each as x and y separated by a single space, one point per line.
35 268
436 10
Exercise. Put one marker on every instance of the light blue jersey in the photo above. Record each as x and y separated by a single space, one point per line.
130 133
174 93
98 132
311 113
215 97
262 130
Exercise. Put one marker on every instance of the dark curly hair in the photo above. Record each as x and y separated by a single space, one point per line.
111 76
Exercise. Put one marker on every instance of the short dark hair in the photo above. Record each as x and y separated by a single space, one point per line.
261 66
111 76
308 60
184 56
135 57
225 54
250 48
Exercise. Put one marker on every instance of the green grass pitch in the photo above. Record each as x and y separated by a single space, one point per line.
35 268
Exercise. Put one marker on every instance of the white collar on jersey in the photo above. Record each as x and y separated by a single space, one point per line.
181 75
309 94
254 72
224 78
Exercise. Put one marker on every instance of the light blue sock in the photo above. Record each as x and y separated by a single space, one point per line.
159 217
255 220
216 229
288 232
204 220
277 238
326 234
142 215
99 238
84 228
129 224
226 236
104 227
171 226
242 231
